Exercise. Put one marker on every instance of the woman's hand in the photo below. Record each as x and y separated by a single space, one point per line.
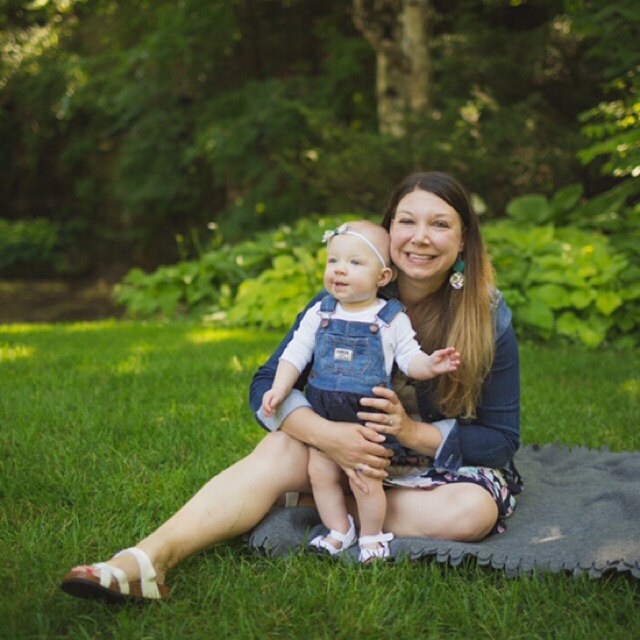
390 416
356 449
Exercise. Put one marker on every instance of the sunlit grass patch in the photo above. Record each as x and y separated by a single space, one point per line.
10 352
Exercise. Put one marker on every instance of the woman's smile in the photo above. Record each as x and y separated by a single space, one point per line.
419 257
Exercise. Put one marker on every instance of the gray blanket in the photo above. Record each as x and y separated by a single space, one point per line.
579 512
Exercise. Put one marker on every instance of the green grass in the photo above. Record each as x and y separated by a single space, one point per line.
106 428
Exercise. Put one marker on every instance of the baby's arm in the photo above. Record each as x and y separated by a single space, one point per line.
286 376
412 360
423 366
295 357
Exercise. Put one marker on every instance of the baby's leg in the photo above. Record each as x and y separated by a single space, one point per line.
326 480
372 506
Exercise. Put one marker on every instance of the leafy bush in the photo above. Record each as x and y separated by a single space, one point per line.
273 298
562 268
581 282
27 247
245 278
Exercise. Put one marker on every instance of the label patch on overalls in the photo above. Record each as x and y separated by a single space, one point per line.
343 355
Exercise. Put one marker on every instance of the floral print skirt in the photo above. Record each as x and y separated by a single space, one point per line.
502 484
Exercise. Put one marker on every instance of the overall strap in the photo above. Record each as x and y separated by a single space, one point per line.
328 304
390 310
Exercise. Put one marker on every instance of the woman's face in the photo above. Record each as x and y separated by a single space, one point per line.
426 238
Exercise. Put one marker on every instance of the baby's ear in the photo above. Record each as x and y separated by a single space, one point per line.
386 276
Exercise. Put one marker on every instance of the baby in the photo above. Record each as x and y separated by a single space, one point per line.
353 337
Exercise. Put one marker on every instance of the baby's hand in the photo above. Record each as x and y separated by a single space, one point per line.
445 360
270 401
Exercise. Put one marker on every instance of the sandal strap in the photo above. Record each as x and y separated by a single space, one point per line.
379 537
148 584
320 543
347 539
109 573
349 536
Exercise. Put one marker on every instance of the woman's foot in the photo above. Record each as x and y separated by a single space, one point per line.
128 577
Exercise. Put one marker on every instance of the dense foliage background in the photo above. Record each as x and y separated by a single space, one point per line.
138 133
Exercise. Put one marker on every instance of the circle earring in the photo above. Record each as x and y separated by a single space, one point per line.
456 279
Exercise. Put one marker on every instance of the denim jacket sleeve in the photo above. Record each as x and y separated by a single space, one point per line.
493 437
263 379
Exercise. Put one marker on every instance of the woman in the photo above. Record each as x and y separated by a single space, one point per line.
468 422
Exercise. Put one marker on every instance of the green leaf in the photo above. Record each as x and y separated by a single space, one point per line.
607 302
530 209
537 314
627 321
568 324
552 295
566 199
581 298
284 263
514 297
592 336
631 292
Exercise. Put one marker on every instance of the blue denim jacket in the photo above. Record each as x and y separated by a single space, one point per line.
490 439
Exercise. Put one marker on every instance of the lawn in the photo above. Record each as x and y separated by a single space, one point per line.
107 427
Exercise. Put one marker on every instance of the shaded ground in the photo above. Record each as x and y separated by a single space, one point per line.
56 301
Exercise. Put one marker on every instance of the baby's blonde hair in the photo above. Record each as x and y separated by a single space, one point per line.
377 235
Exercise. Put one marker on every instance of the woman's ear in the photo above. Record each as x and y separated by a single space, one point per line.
386 276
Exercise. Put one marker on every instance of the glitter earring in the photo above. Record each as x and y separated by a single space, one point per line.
456 279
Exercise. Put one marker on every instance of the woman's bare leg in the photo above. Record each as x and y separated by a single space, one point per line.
230 504
464 512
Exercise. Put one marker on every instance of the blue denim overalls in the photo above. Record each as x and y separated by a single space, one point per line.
348 361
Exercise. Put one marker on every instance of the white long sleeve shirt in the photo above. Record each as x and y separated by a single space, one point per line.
398 337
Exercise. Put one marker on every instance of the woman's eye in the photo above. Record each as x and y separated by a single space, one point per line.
405 221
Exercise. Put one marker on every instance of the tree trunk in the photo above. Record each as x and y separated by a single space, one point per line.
398 32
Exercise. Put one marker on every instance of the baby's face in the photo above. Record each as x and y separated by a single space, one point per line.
353 272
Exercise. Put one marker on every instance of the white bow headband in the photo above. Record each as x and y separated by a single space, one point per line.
344 229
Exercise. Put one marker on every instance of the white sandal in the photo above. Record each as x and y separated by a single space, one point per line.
101 580
347 539
382 551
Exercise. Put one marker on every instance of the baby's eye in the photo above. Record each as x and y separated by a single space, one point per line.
331 261
355 262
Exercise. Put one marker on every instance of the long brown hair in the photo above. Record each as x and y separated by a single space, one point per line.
462 318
